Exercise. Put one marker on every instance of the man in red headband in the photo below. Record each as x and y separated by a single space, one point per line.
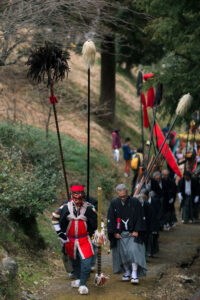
75 222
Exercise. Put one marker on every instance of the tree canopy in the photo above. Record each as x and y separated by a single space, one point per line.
176 26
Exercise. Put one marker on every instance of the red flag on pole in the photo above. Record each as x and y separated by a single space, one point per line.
145 117
150 97
166 151
150 93
145 113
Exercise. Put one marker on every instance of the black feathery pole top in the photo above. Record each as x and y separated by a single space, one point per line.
49 63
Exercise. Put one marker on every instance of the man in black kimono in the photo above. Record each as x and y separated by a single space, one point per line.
161 188
169 209
126 226
188 196
151 210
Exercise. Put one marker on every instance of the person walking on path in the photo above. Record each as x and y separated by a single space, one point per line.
116 144
127 156
126 228
75 224
188 196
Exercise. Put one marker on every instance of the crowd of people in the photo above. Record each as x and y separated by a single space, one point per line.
134 223
157 199
134 220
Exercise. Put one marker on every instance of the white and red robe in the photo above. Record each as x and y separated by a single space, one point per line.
77 235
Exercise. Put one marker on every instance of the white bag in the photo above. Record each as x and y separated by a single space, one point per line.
116 155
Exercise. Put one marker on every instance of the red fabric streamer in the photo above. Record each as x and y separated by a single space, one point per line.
145 113
77 188
145 117
150 97
150 93
148 76
143 99
166 151
53 99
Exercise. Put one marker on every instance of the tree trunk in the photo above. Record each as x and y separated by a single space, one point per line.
108 69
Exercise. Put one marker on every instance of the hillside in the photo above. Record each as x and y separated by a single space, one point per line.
23 102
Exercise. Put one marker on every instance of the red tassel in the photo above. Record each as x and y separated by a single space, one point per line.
118 223
150 97
145 117
53 99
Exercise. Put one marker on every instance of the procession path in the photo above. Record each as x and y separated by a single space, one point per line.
174 274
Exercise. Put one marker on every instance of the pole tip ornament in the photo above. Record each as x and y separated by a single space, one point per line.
89 53
48 61
184 104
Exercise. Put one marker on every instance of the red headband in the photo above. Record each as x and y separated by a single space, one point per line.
77 188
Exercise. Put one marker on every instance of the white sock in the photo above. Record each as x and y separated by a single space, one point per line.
127 271
134 270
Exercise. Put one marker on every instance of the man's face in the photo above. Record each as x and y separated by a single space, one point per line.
165 175
144 196
157 178
122 195
78 198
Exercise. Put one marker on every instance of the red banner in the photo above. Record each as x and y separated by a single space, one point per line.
166 151
145 113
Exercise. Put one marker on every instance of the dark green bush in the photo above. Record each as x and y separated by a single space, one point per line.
26 188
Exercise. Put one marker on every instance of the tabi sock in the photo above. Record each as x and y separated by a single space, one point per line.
134 270
127 271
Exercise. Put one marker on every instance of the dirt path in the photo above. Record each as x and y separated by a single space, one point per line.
173 275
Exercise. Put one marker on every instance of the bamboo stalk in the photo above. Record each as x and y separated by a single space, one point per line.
99 208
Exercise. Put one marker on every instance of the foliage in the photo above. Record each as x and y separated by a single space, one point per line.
175 25
35 160
135 46
25 188
29 174
9 289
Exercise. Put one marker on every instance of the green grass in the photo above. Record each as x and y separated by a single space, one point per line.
33 141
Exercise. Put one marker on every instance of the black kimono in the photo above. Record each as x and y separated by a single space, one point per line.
152 246
188 204
124 218
128 217
90 214
170 214
162 194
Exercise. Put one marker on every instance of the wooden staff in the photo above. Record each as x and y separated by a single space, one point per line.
54 101
50 63
99 231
